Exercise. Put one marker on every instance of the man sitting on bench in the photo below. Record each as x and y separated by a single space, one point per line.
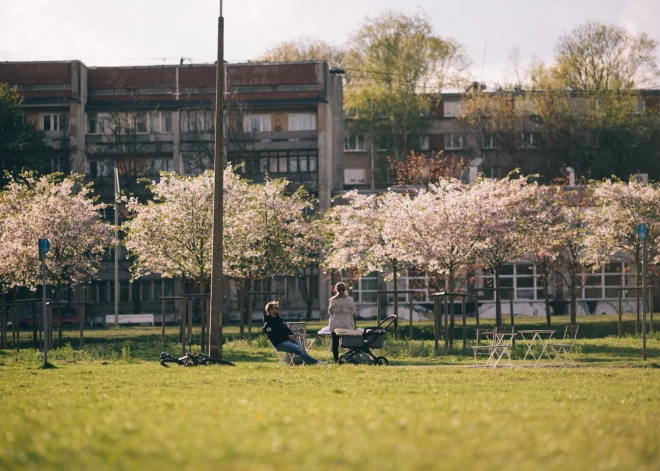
281 336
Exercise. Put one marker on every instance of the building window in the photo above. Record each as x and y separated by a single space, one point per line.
302 122
53 122
354 143
92 121
423 142
454 141
521 277
104 124
355 176
197 120
454 109
256 123
58 163
154 121
491 141
160 165
195 163
141 122
124 292
529 140
100 168
166 117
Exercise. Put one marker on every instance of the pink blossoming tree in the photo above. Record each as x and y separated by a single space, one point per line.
619 207
64 211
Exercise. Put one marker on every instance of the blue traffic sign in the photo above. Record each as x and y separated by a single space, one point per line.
44 246
641 231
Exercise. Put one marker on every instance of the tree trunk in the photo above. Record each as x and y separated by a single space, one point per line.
310 300
573 291
250 300
396 300
137 304
638 265
546 295
58 298
452 311
203 317
498 301
241 307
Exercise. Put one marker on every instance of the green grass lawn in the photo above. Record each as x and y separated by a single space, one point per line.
112 406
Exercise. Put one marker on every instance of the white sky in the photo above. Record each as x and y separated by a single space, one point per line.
139 32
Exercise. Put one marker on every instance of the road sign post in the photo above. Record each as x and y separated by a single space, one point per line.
44 248
642 232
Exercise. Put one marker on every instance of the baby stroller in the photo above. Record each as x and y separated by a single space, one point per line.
360 342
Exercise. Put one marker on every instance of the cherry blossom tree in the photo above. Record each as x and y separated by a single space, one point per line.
280 237
354 234
61 209
545 235
575 260
266 230
618 209
505 208
355 239
171 235
434 230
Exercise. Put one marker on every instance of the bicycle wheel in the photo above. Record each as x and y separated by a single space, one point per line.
216 361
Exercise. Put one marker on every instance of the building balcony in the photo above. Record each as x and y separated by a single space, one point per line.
135 144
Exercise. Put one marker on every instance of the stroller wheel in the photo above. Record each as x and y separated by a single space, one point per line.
342 361
382 361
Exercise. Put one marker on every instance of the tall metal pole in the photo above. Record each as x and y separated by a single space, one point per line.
44 315
116 247
644 296
215 324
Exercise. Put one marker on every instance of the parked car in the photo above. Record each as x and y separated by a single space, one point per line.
69 316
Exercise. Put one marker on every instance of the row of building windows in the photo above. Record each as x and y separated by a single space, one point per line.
521 278
161 122
128 122
453 141
144 291
262 122
105 168
284 161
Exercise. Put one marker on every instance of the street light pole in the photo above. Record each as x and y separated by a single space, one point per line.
215 324
116 247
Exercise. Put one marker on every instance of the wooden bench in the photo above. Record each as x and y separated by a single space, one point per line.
130 319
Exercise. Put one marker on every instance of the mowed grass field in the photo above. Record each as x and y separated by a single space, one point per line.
112 406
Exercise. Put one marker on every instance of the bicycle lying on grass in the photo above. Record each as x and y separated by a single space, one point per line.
192 359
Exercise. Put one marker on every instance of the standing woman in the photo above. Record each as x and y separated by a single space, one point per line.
341 310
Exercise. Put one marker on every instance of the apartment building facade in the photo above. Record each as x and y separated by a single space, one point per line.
284 120
367 169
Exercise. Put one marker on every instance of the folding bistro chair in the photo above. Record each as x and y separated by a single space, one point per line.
504 337
284 357
299 329
483 350
499 347
486 335
562 351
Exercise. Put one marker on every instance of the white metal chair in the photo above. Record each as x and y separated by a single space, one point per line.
486 335
284 358
299 329
562 350
499 347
